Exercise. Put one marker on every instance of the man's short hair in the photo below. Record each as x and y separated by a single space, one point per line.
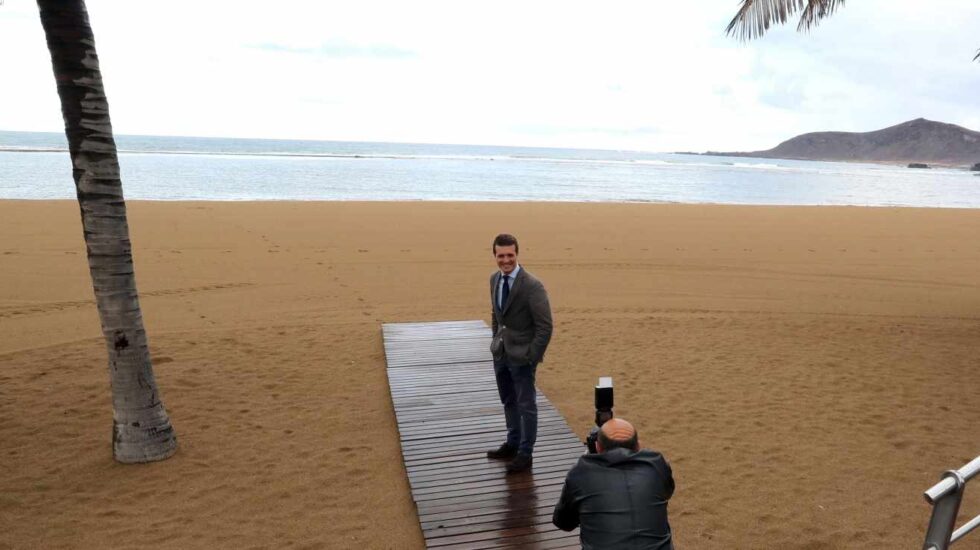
505 239
608 444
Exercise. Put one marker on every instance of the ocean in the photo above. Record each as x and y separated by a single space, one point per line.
36 166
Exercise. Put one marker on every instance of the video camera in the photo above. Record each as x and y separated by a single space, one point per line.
603 410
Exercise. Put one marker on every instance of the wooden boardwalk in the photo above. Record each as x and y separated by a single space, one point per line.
449 415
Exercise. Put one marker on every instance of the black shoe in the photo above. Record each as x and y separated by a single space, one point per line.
521 462
505 451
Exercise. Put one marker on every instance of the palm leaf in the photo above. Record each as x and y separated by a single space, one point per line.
756 16
816 10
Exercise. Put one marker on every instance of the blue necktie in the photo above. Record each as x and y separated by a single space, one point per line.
504 292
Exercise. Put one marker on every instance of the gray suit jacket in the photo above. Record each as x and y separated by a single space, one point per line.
522 328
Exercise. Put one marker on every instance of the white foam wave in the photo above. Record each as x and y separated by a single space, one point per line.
759 165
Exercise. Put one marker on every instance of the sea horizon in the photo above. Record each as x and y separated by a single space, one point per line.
60 136
35 166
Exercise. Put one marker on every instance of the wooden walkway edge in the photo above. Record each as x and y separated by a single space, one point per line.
449 414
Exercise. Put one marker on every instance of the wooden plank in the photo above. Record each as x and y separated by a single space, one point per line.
503 489
552 428
479 447
544 448
416 403
478 459
490 523
515 508
427 479
480 518
449 404
469 484
446 425
440 375
523 534
453 408
484 429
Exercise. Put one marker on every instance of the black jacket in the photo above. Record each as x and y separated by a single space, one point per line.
620 500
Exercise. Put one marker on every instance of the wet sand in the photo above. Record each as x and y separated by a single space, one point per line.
808 371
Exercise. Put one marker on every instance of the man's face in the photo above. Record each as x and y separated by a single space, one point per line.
506 258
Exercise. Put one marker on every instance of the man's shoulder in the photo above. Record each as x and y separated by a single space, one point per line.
650 454
588 469
530 279
616 458
589 462
580 469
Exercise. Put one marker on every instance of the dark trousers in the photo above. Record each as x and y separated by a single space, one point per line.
515 383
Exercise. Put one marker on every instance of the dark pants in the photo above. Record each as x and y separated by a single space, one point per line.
515 383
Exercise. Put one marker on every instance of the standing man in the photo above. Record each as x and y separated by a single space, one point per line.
618 496
521 320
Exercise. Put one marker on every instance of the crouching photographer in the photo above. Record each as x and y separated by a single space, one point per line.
618 495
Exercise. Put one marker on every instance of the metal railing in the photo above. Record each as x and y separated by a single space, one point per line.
945 498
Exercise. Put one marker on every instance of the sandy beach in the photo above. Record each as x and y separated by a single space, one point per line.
809 371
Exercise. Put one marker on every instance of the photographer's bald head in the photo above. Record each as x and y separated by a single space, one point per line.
617 433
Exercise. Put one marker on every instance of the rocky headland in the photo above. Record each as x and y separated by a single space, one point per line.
918 141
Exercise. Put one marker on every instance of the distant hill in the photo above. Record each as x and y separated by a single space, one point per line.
919 141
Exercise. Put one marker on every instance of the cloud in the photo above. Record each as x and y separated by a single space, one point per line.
636 75
546 130
784 93
340 49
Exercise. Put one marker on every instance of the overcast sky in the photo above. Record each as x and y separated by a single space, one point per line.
644 75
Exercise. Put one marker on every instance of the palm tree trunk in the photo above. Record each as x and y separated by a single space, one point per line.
141 430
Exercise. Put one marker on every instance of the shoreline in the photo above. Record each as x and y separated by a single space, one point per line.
889 163
506 202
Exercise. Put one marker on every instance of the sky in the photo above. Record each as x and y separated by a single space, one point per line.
636 75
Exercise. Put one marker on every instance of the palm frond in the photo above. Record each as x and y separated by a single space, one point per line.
756 16
816 10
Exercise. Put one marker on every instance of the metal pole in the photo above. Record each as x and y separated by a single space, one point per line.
943 518
945 497
967 527
942 488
